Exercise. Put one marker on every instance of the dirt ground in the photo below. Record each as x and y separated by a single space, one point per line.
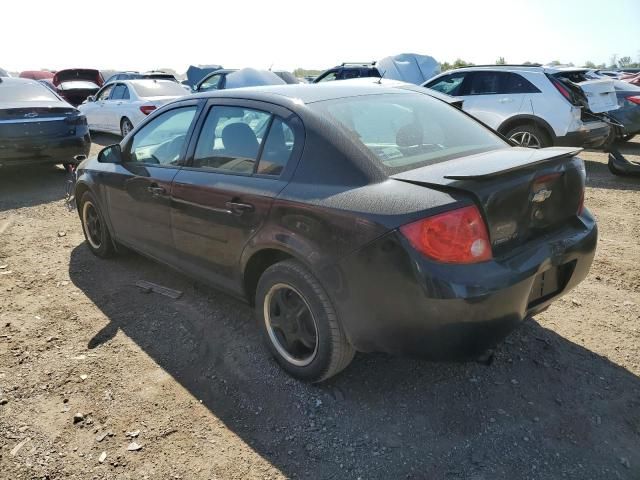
89 364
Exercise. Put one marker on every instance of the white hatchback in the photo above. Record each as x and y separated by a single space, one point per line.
120 106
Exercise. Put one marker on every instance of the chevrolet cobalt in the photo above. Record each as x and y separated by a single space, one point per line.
353 217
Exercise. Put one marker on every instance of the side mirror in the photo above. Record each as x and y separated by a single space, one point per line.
110 154
91 98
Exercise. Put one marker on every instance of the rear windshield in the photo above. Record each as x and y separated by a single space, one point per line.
162 88
26 92
407 131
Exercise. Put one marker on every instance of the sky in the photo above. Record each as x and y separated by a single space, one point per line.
143 35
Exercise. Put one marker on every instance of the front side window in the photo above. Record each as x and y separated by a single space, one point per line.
210 83
104 93
231 138
329 77
162 140
449 84
406 131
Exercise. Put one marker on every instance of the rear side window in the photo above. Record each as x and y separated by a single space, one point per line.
245 141
449 84
118 92
210 83
494 83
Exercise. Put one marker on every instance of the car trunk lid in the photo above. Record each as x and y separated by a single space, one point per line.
24 123
78 74
523 193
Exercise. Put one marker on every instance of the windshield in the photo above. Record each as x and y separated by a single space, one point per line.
161 88
26 92
407 131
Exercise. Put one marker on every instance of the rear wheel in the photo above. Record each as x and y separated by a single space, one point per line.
125 126
529 135
299 323
613 169
94 227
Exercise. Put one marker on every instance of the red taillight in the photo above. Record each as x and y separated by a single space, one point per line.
565 93
147 109
457 236
635 99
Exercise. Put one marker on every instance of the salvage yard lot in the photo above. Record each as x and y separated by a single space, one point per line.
561 399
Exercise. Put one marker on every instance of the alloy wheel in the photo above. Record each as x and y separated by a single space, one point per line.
290 324
92 225
526 139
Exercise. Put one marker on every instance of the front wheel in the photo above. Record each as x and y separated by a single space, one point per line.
529 136
125 126
94 227
299 323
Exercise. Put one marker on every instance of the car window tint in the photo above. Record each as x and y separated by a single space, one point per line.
277 148
350 73
230 139
210 83
448 84
328 77
117 93
514 83
484 83
104 94
162 140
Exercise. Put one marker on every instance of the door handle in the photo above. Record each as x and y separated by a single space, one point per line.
238 208
156 190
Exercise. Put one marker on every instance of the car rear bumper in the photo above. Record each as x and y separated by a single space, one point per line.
592 135
391 299
38 151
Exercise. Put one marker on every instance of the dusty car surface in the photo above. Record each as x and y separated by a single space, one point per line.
354 217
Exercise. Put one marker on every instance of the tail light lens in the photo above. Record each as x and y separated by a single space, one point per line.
77 120
457 236
635 99
561 88
147 109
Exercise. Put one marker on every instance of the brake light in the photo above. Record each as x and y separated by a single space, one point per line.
565 93
457 236
635 99
147 109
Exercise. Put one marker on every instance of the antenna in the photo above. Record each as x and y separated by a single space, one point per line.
379 82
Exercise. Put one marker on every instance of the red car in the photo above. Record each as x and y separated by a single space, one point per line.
76 84
37 74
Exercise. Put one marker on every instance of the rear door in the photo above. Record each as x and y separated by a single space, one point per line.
241 159
138 190
493 97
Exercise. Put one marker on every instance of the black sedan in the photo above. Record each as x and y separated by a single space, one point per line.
37 126
354 217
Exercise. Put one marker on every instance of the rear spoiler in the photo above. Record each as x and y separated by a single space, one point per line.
486 165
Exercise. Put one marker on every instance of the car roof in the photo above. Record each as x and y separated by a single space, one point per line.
310 93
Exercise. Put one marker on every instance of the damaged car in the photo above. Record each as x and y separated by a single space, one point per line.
352 216
76 84
531 106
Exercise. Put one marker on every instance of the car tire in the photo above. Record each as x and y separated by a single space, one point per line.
299 323
529 135
94 227
125 126
614 170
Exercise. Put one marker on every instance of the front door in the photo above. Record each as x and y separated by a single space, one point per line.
139 188
239 163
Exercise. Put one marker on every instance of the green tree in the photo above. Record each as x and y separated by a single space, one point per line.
589 64
459 63
555 63
501 61
624 62
613 61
